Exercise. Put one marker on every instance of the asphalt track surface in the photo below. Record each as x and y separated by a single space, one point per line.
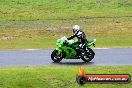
109 57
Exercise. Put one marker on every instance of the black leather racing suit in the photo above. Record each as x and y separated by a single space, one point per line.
80 36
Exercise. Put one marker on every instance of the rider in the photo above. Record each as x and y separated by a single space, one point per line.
80 36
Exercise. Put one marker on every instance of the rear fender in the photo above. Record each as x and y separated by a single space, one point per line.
92 42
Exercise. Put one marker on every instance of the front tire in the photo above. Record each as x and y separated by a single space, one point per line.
55 57
88 55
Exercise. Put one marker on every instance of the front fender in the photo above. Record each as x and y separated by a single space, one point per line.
59 50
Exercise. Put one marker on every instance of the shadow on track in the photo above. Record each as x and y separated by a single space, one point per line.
73 63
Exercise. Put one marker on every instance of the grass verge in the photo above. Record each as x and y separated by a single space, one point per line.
38 23
56 76
109 32
32 10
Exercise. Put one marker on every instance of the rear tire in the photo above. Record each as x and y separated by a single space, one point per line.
55 57
88 55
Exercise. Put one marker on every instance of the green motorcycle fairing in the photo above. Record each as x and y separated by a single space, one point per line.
70 53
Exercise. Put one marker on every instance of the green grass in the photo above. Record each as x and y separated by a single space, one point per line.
28 24
16 10
56 77
109 32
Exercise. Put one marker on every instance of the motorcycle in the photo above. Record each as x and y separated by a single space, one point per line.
65 52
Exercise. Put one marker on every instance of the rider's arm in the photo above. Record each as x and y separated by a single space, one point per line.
73 36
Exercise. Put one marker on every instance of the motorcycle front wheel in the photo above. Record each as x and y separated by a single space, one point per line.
57 57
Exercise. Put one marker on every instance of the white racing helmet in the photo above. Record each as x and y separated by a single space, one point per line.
75 28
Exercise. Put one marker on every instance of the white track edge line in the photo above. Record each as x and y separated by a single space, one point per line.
42 49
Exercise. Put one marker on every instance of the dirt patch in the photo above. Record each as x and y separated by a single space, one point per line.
6 37
58 28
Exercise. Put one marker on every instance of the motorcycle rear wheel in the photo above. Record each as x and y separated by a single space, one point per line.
88 55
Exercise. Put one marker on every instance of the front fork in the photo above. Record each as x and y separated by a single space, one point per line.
59 50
